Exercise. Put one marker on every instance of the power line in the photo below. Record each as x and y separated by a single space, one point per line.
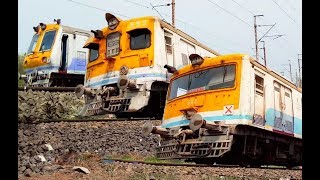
230 13
98 8
158 12
243 7
284 11
138 4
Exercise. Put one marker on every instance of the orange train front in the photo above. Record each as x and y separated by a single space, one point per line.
55 56
125 74
230 109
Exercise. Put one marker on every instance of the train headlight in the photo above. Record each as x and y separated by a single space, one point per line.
196 60
124 70
46 60
124 82
196 121
113 21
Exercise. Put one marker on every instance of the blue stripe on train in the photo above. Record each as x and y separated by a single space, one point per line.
75 65
134 76
270 116
208 118
272 113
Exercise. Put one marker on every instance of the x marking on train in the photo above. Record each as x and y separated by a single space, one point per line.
228 109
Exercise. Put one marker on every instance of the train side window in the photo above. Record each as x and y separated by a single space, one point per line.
140 39
259 85
113 44
184 59
93 51
168 42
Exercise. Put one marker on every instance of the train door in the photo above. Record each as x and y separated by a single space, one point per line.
64 54
259 101
288 111
169 48
278 114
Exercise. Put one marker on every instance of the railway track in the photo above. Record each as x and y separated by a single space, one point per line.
112 160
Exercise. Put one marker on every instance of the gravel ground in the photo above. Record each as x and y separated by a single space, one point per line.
50 150
42 144
40 105
128 171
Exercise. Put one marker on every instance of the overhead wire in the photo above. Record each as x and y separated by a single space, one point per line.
76 2
284 38
230 13
160 14
283 10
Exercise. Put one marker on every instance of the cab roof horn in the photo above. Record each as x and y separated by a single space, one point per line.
97 34
58 21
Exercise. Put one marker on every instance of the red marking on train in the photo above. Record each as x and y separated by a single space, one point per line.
228 109
196 90
282 132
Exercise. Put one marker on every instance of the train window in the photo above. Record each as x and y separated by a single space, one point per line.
93 54
287 94
33 43
168 44
184 59
113 44
93 51
140 39
276 86
259 85
210 79
47 40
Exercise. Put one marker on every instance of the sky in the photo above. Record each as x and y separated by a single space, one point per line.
225 26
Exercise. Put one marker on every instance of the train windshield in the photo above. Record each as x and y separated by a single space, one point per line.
209 79
47 40
139 39
33 43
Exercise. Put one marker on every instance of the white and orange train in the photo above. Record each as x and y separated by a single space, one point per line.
125 73
56 56
230 109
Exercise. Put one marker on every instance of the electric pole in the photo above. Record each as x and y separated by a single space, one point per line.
300 84
290 70
173 13
297 80
256 36
264 53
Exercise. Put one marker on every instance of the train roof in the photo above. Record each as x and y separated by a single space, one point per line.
173 29
72 30
186 36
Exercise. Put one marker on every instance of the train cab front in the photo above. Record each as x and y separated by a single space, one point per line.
37 62
193 125
119 68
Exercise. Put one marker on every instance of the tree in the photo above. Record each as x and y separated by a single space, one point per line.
20 68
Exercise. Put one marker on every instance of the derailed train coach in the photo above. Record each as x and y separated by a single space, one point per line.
230 109
55 56
125 74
